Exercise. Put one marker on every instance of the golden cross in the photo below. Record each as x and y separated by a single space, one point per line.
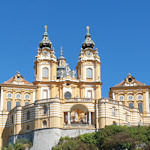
88 28
45 28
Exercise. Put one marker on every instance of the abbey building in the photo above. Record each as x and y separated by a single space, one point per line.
64 102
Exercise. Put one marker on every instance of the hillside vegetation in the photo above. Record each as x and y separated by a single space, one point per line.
110 138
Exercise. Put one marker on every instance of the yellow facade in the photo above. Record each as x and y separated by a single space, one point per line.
66 99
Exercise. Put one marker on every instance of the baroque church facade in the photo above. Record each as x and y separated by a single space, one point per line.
63 102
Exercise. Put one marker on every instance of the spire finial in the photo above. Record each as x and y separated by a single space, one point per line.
18 72
45 28
88 28
61 52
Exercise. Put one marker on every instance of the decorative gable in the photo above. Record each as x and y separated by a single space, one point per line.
18 79
130 81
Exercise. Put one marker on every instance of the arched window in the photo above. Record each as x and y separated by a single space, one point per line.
45 110
45 72
67 95
140 107
26 103
28 115
89 73
17 103
113 111
8 105
131 105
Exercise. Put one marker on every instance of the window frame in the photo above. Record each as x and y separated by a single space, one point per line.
45 72
89 74
113 111
9 106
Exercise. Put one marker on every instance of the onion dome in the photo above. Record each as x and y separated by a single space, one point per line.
88 43
61 57
45 42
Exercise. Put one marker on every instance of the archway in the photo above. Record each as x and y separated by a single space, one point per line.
78 114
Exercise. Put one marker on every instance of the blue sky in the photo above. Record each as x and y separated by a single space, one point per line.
119 28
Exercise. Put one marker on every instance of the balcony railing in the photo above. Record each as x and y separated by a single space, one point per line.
78 100
79 125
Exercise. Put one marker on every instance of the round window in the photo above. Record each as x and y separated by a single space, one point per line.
9 95
130 97
67 95
44 123
130 79
140 97
18 96
121 97
27 96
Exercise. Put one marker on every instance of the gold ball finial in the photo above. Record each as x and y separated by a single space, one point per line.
88 28
45 28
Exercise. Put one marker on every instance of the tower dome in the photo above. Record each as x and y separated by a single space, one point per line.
45 41
88 43
61 57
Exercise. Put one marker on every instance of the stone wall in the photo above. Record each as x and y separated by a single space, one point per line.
45 139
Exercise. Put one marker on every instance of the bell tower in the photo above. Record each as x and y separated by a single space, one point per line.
45 67
46 62
89 65
89 69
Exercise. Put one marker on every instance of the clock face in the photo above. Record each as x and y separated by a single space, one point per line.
45 53
88 53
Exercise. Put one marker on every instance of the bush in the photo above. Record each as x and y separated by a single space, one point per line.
111 137
19 145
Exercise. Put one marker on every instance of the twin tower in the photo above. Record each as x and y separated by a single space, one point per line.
55 79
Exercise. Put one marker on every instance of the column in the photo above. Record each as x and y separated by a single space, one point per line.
75 116
126 101
68 117
89 118
135 100
147 101
144 102
86 118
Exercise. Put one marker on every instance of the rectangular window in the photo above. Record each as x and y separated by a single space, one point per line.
8 106
140 107
89 94
45 72
45 94
89 73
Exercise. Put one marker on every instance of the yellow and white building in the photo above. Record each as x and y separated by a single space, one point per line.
63 102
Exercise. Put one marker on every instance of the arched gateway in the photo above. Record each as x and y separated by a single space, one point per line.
79 115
